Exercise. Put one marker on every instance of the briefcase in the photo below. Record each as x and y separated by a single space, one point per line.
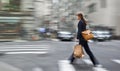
78 51
87 35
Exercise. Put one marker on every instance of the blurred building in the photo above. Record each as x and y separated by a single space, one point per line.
10 19
43 7
15 5
13 19
103 13
27 7
64 13
21 17
0 4
41 10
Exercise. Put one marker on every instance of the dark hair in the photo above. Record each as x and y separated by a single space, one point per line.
82 18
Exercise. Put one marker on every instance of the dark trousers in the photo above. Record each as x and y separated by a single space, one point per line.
88 51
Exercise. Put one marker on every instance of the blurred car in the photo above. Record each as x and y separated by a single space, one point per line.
65 35
100 35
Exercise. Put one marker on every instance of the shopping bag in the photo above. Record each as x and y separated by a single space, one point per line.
78 51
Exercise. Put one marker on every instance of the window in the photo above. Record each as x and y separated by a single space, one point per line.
10 5
103 3
92 8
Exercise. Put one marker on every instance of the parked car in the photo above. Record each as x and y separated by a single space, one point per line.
101 35
65 35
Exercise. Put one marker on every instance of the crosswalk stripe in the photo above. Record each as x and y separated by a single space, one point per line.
26 52
37 69
99 69
116 61
64 65
25 45
87 61
22 50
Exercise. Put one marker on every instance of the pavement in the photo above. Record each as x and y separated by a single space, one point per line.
53 56
7 67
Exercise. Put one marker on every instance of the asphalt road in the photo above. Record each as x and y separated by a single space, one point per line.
53 56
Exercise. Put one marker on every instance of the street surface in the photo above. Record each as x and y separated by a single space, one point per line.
53 56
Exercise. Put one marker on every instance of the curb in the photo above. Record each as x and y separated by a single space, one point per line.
19 41
54 39
7 67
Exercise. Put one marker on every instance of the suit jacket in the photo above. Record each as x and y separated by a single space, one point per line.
81 28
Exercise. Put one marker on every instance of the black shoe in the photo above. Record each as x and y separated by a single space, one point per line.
71 61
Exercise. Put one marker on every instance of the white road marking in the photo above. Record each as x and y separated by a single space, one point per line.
99 69
87 61
8 67
37 69
20 41
64 65
25 45
55 39
116 61
22 49
2 48
25 52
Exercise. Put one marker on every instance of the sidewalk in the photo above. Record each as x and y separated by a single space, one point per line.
7 67
12 40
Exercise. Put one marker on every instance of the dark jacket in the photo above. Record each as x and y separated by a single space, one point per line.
81 28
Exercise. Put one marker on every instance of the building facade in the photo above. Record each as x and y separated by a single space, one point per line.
0 4
10 19
40 9
103 13
14 21
64 13
25 14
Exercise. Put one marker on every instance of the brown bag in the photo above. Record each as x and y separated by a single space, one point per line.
78 51
87 34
